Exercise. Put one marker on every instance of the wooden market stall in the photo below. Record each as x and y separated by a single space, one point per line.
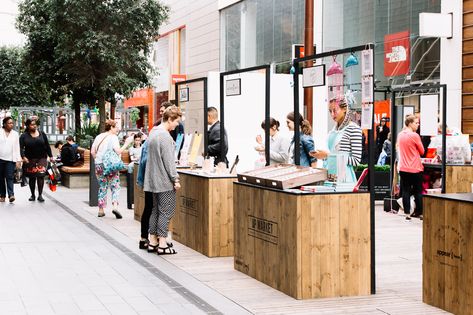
448 252
307 245
458 178
204 213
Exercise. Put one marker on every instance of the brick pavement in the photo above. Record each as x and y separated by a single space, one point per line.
53 261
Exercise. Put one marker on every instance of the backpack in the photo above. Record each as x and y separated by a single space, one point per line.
68 155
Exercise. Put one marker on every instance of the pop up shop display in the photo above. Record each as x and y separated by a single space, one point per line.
204 212
451 166
204 206
304 231
447 264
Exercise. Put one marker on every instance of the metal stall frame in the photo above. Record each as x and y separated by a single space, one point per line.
371 143
176 95
267 69
420 88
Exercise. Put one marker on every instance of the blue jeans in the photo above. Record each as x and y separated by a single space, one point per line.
7 168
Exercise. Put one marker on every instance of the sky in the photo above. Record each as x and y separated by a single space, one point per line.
9 35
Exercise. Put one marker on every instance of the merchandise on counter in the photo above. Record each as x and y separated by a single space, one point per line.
283 176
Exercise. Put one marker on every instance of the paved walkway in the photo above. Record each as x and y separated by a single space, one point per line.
59 258
54 261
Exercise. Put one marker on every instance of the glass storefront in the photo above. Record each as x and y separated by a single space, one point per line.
256 32
352 23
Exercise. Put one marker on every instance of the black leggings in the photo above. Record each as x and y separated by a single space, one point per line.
148 208
40 181
411 184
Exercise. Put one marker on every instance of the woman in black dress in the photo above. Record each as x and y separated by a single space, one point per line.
35 150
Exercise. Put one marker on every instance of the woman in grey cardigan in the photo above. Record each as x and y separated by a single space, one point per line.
162 180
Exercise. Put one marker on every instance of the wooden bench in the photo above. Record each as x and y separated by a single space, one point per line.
78 176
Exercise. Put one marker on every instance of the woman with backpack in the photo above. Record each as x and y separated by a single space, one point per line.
105 150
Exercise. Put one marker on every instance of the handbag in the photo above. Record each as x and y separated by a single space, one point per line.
111 161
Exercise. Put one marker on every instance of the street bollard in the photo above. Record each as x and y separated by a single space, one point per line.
93 184
129 190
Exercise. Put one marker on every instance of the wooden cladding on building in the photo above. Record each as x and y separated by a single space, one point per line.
467 68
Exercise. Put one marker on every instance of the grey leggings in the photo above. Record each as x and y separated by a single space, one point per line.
164 205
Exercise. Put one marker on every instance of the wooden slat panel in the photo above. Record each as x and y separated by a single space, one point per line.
467 5
467 60
467 113
467 73
467 87
468 31
468 18
467 100
467 126
467 46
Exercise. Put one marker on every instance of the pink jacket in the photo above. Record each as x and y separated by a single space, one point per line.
410 151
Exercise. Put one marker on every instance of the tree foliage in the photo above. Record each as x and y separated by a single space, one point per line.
94 48
18 87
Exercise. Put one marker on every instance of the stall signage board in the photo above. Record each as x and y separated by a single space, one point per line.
313 76
397 54
176 78
366 116
367 89
233 87
184 94
429 106
195 147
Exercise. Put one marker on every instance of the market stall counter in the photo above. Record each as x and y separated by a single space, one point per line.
458 179
204 213
448 252
305 244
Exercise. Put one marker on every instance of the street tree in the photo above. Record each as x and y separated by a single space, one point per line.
92 47
18 86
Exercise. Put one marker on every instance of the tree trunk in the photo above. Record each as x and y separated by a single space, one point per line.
77 118
113 106
102 114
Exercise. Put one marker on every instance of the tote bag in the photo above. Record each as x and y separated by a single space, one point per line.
111 161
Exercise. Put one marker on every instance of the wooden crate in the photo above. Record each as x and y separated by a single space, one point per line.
204 214
255 176
307 246
447 266
283 176
459 178
138 197
298 178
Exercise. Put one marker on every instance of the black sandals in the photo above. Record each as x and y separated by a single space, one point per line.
166 251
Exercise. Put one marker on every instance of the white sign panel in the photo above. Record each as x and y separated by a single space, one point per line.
367 90
233 87
367 62
313 76
435 25
366 116
407 110
429 108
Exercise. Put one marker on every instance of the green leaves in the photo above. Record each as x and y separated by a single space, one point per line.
18 86
91 45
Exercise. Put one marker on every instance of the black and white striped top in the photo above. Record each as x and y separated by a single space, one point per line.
351 143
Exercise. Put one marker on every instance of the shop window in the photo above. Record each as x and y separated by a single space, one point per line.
256 32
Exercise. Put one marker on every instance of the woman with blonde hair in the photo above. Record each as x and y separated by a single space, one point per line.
106 144
162 180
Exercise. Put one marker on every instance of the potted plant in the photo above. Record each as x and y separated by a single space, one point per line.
382 182
134 116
